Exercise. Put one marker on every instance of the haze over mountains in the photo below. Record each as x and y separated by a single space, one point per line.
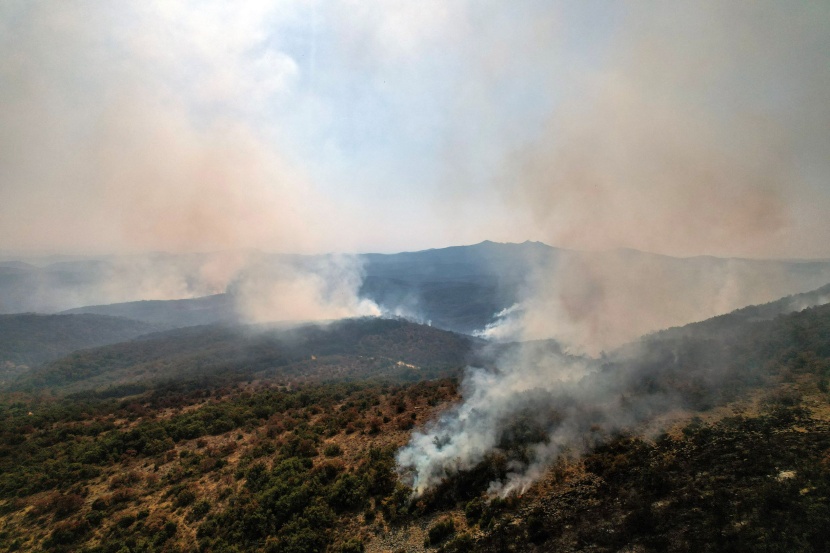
582 296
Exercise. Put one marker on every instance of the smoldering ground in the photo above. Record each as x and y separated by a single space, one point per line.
531 403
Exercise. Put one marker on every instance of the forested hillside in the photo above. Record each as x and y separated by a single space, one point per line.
295 461
355 348
458 288
218 308
30 339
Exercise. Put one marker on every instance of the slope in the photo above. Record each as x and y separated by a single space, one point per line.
218 308
30 339
351 348
310 466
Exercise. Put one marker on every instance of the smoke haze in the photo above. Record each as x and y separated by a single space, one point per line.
109 147
678 128
696 133
591 302
321 288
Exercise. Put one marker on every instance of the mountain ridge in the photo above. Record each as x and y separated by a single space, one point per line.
457 288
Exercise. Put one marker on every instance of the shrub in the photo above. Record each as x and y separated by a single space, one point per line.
473 510
459 544
129 478
62 505
67 532
201 508
354 545
94 518
439 532
122 495
347 493
68 504
170 528
126 521
332 450
184 497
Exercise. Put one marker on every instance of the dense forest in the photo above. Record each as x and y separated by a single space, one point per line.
288 444
204 355
28 339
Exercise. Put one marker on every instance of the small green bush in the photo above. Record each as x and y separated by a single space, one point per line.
354 545
332 450
439 532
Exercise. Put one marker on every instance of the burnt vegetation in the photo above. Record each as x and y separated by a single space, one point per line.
288 444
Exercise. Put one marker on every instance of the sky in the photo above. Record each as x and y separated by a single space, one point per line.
683 128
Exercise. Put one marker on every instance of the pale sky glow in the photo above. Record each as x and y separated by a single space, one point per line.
349 125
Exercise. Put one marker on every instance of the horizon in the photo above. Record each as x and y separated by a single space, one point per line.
28 257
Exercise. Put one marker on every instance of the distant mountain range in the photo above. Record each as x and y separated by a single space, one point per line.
457 288
218 308
93 351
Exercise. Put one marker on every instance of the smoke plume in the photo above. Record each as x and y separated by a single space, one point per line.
698 131
134 128
310 289
592 302
532 403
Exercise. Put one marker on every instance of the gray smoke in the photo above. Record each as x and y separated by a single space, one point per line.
532 403
701 129
591 302
464 435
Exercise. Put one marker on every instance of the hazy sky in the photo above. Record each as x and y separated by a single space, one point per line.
382 125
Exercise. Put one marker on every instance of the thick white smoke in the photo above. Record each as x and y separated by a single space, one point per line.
463 436
262 287
538 405
302 289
